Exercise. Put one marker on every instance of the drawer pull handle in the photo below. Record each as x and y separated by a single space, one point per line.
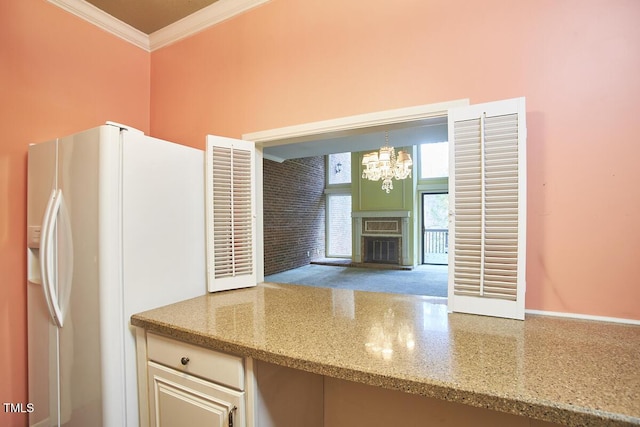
232 414
184 361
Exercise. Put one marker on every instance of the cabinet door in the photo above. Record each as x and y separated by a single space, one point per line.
177 399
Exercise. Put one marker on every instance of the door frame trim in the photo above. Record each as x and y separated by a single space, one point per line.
349 125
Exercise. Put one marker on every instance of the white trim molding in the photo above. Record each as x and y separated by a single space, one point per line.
103 20
204 18
381 214
584 317
271 157
351 124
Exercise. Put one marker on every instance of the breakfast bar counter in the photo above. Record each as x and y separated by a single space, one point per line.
565 371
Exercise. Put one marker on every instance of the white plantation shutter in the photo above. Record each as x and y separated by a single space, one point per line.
231 218
487 190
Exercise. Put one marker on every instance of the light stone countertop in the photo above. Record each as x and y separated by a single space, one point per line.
567 371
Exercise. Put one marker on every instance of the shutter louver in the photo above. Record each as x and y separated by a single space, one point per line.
501 207
489 205
231 223
468 208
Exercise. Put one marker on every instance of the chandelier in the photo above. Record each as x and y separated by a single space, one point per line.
386 165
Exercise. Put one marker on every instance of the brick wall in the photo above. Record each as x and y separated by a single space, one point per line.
294 213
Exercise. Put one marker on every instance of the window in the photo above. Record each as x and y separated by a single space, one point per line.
339 225
339 169
434 160
338 205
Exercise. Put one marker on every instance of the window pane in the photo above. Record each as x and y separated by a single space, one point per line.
434 160
339 170
339 225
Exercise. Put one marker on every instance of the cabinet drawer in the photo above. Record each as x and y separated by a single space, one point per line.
218 367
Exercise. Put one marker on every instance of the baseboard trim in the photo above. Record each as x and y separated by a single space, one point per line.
584 317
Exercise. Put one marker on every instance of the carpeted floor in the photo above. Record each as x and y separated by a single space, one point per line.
428 280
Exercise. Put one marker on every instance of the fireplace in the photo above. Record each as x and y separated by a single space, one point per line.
383 237
384 250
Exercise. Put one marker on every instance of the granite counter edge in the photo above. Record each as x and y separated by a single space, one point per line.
545 411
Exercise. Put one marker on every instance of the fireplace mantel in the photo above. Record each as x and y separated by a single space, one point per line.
381 214
401 217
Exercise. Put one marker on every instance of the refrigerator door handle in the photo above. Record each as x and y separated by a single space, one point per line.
46 252
47 260
64 276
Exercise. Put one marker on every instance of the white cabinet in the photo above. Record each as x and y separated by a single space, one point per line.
187 385
183 400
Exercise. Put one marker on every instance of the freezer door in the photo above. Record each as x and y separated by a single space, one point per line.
42 334
65 359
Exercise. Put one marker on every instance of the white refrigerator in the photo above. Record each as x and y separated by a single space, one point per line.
115 226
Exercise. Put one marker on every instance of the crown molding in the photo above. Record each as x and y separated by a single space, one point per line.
103 20
187 26
206 17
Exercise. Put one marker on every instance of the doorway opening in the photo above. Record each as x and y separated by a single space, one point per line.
355 133
435 238
435 228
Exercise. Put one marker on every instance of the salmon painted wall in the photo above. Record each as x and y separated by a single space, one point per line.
577 62
291 62
58 75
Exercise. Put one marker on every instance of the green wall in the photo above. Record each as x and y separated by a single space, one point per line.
369 196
